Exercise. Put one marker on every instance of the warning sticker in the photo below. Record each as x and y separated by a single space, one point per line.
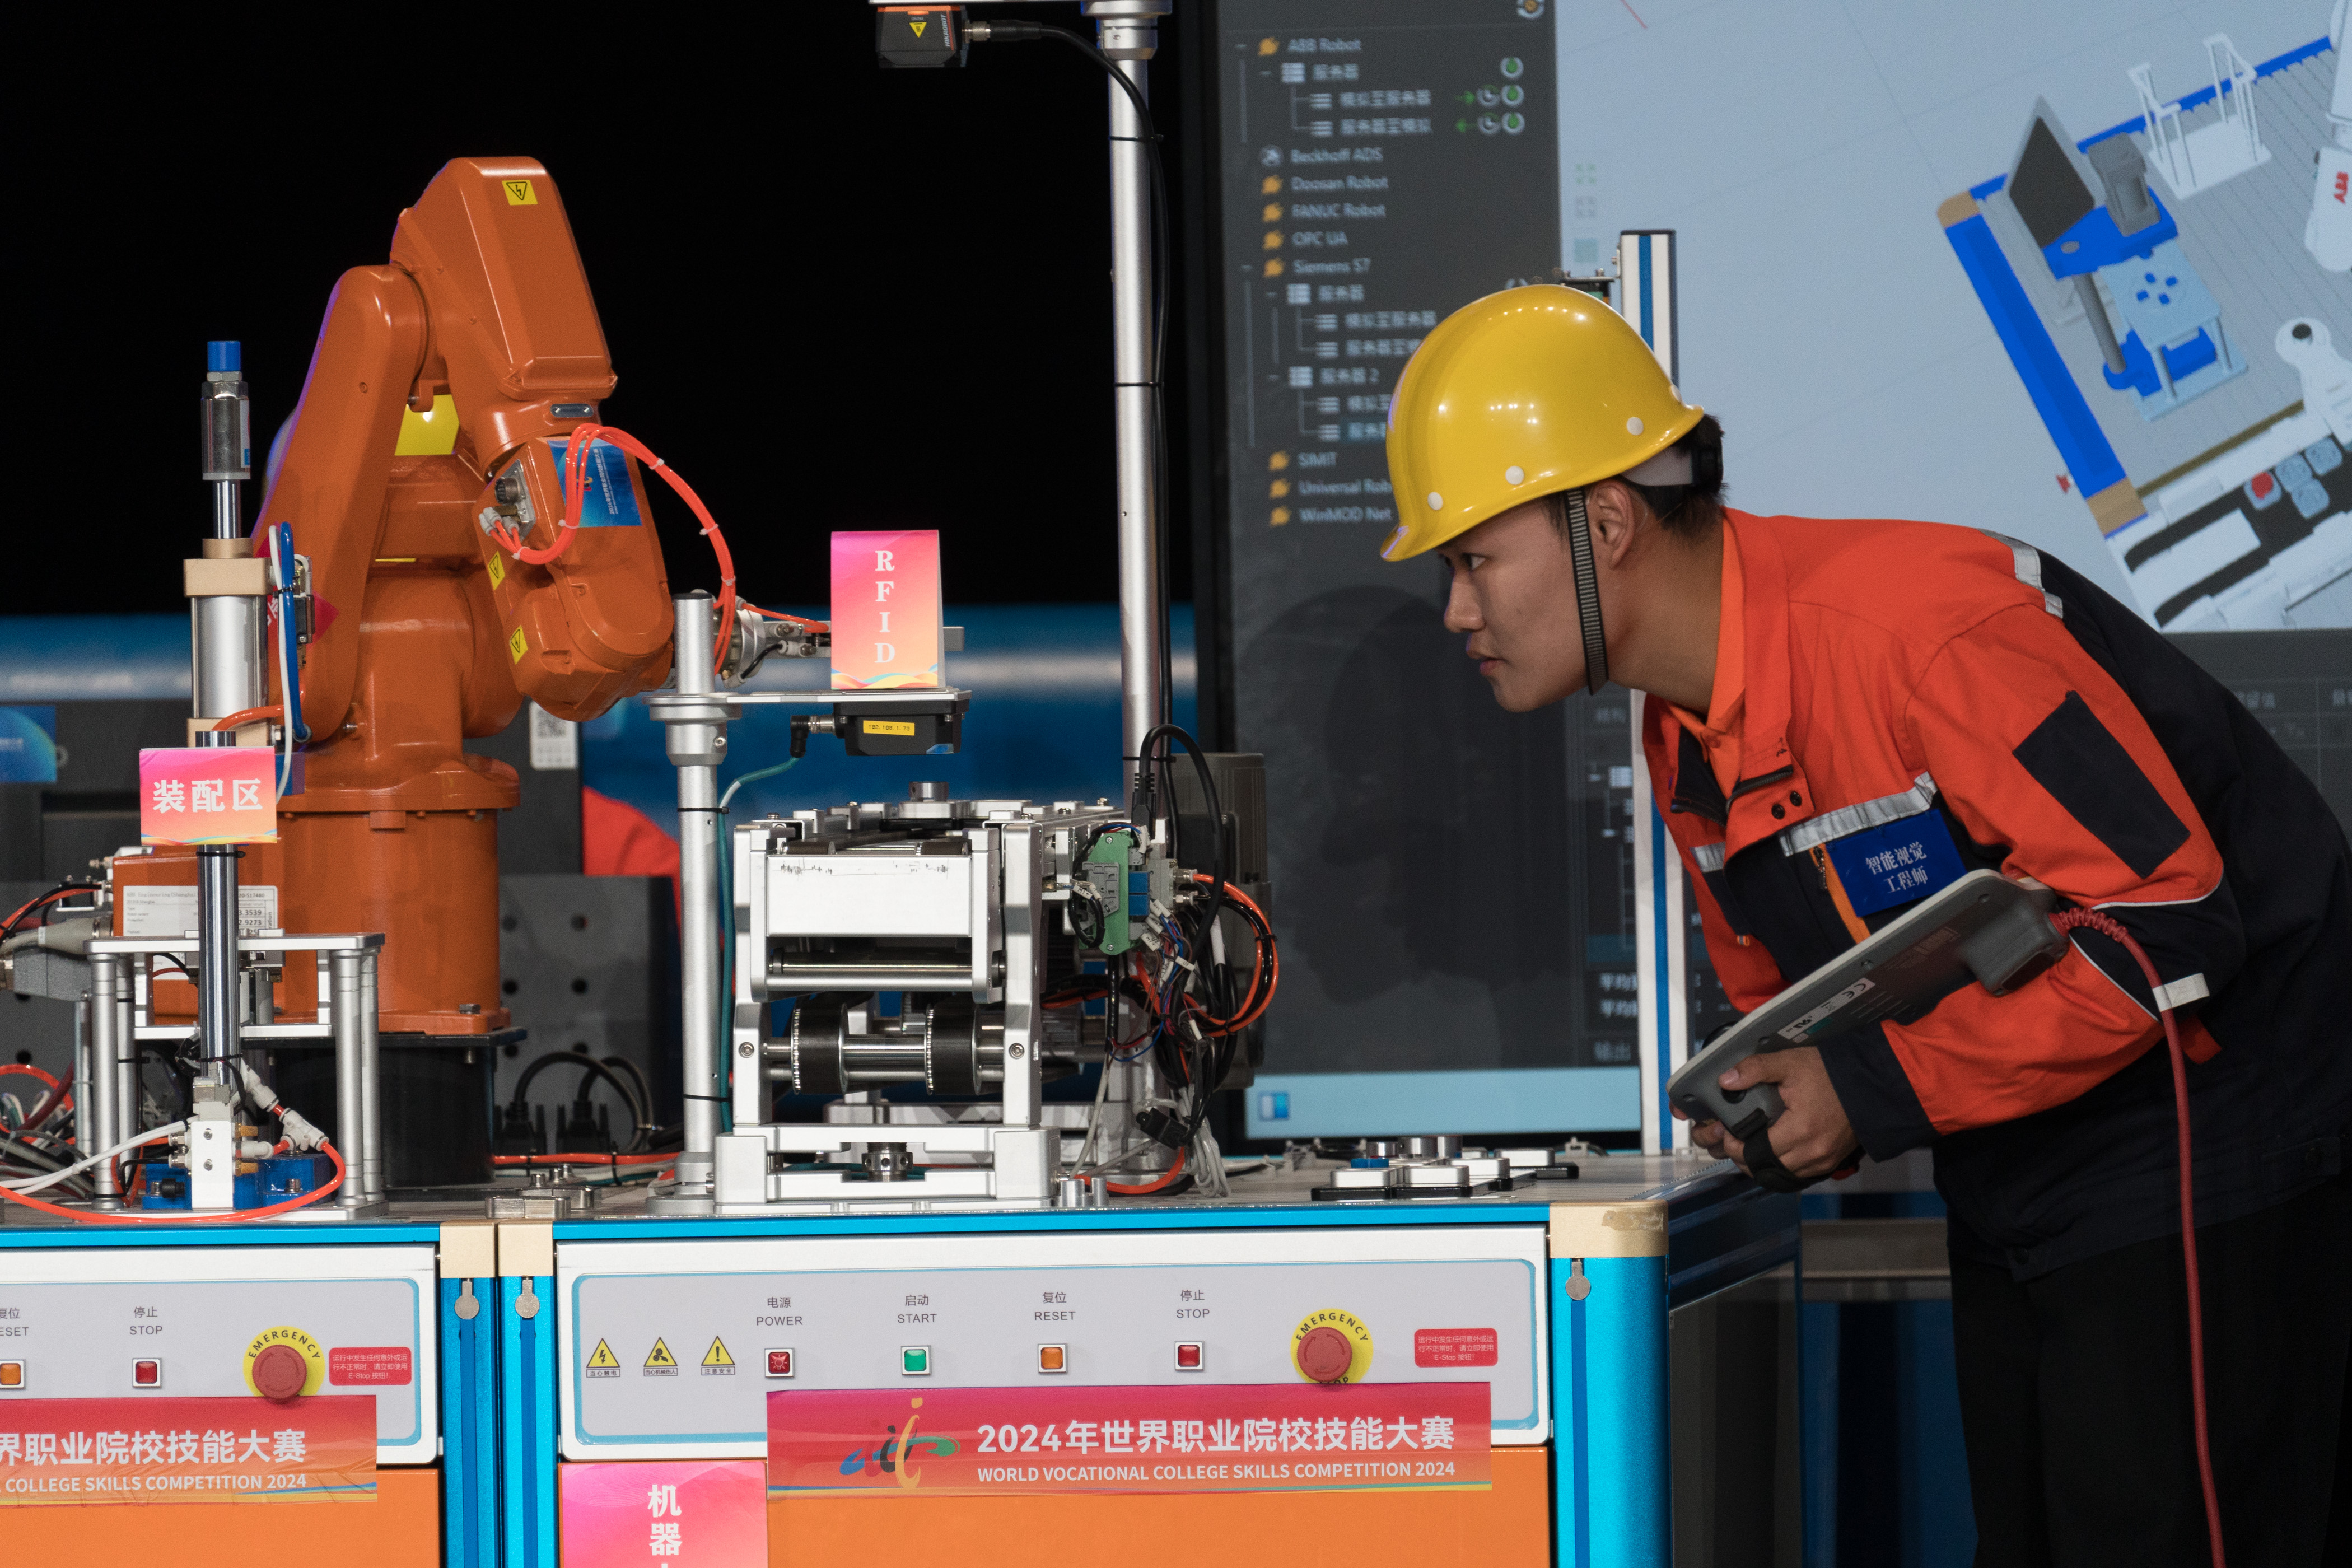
716 1362
1455 1347
354 1366
172 912
602 1362
520 194
497 568
517 645
660 1362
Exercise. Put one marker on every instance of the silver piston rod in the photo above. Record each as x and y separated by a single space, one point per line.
225 643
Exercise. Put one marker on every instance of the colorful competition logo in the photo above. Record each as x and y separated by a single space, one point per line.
896 1454
28 745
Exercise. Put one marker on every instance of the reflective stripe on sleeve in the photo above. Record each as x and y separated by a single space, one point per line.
1847 819
2029 570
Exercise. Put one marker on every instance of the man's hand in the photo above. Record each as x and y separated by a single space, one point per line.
1812 1137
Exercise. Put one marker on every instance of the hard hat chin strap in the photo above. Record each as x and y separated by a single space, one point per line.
1587 593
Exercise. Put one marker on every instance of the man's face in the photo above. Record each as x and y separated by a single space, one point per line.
1514 591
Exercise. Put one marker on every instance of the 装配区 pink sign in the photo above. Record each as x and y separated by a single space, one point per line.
208 795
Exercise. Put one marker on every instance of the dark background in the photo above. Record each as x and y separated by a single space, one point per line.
836 297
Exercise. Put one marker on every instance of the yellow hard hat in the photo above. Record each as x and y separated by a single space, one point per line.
1514 396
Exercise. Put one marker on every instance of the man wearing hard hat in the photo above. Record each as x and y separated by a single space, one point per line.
1824 694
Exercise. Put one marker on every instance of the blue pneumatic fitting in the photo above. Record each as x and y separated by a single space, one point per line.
224 356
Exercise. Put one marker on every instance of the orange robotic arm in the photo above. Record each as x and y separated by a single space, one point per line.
483 320
440 379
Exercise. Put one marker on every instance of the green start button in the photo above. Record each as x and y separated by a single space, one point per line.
915 1361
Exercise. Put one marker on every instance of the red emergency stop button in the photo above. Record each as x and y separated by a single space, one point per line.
1188 1355
280 1372
1325 1354
146 1374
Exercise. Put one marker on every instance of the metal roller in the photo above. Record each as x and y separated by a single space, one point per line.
948 1048
918 971
951 1048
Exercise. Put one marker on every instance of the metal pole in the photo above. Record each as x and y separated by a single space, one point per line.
2086 290
371 1083
227 631
695 747
351 1106
100 1084
83 1056
1129 34
126 1051
216 969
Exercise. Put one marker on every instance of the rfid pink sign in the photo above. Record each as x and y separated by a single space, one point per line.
712 1513
887 630
208 795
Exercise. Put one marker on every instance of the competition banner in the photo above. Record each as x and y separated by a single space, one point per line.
320 1448
989 1442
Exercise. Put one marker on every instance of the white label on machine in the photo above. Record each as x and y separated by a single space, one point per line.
1802 1029
172 912
554 742
870 895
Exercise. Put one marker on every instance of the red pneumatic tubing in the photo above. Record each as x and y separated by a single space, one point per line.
244 716
227 1216
1166 1179
2090 919
582 437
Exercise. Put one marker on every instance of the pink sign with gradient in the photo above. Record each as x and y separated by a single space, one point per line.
709 1513
318 1448
208 795
886 620
1204 1438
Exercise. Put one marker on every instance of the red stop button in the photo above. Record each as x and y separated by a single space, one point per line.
1325 1354
280 1372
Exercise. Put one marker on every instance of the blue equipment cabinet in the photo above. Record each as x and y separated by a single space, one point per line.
197 1293
1658 1375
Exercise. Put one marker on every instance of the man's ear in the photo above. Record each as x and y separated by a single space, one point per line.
1615 513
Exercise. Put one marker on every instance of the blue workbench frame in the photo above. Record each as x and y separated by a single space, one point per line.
470 1381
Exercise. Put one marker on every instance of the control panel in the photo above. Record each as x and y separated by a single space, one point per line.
669 1349
278 1321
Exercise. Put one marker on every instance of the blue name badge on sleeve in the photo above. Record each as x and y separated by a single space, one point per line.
1896 863
610 500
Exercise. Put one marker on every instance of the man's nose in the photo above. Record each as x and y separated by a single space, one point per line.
1461 612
